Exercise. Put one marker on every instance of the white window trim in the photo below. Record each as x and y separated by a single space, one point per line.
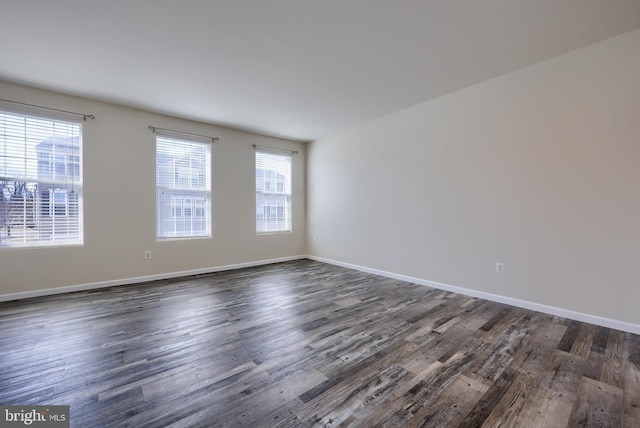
171 192
273 192
43 229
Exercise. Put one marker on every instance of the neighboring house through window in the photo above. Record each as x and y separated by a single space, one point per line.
183 182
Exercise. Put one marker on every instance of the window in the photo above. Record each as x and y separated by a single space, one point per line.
183 185
273 192
200 208
58 202
40 181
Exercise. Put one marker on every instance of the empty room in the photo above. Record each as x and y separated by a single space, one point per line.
320 214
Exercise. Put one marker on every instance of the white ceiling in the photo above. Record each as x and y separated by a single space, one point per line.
297 69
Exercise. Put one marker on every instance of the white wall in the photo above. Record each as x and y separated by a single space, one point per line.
119 203
539 169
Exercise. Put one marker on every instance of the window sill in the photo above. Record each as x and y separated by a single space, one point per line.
274 232
182 238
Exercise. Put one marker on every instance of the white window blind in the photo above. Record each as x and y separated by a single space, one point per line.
273 192
183 185
40 181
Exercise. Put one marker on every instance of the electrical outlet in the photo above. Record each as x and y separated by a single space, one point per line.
147 254
499 267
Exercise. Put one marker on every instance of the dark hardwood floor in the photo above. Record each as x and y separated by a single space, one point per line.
309 344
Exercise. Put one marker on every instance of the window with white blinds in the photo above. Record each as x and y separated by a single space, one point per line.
40 181
183 185
273 192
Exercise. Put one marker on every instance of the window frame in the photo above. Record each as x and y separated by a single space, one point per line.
41 140
271 198
182 176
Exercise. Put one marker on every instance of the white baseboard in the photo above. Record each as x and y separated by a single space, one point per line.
551 310
138 279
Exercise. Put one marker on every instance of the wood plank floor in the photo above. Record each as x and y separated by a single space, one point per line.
303 344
